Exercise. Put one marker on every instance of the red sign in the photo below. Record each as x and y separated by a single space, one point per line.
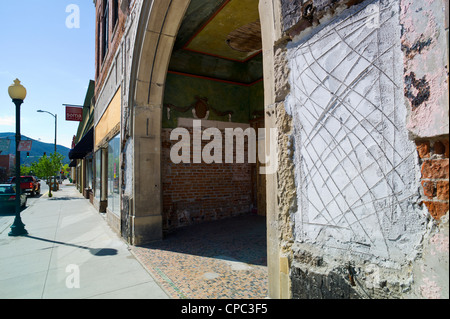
74 113
24 146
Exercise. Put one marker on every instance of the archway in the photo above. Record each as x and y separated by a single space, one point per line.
157 28
214 89
157 35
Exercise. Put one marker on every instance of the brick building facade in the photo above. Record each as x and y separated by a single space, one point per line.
7 165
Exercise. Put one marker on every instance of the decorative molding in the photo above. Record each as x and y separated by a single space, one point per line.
200 109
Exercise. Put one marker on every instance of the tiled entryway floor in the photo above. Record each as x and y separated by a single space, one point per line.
224 259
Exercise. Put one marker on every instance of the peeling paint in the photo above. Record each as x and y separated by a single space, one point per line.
417 47
417 91
440 243
430 289
425 64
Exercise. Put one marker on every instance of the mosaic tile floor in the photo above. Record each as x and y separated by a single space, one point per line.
215 260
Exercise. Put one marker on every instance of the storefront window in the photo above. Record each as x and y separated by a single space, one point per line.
113 175
98 175
89 172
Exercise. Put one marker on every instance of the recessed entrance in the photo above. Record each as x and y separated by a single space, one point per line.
198 61
214 76
220 259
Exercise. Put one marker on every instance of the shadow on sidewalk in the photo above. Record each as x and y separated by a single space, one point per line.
93 251
241 238
64 198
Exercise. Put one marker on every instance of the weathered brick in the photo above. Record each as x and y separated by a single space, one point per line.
429 189
423 148
439 148
193 193
437 209
446 146
433 169
442 189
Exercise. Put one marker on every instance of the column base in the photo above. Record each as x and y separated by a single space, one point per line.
146 229
18 229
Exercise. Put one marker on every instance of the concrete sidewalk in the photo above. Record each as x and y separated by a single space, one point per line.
70 253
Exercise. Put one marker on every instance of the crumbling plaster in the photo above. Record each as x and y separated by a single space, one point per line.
431 271
372 249
290 257
352 153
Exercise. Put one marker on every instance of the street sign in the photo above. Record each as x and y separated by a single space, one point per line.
24 146
74 113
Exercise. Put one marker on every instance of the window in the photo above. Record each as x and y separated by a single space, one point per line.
105 29
115 16
89 172
7 190
99 49
98 175
113 175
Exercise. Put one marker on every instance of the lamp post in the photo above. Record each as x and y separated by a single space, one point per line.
56 130
17 93
56 122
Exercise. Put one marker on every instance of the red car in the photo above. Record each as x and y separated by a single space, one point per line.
29 184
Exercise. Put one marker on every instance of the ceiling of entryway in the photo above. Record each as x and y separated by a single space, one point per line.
221 39
232 27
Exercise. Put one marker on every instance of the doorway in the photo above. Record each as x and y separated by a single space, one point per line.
214 83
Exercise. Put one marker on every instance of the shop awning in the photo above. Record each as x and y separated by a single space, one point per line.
73 163
84 147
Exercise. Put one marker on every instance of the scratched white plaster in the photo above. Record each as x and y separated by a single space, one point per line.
354 164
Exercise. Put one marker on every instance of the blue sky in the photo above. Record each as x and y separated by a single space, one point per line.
53 62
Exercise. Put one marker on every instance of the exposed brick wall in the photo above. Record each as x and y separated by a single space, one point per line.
434 160
195 193
6 166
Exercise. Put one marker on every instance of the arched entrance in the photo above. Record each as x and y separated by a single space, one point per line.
157 28
214 89
164 59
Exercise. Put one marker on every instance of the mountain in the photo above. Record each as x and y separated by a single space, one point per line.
37 149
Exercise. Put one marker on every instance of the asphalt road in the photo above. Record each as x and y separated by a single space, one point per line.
6 219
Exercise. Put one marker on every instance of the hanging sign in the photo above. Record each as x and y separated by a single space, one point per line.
74 113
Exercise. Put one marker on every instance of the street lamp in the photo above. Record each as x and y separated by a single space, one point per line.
56 125
17 93
56 122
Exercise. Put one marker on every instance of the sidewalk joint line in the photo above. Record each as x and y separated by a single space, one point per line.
51 254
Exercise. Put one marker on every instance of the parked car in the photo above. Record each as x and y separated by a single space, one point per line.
29 184
8 198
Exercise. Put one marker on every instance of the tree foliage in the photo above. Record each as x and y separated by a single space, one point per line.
46 166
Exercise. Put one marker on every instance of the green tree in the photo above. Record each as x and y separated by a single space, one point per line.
25 170
36 169
66 169
45 169
56 160
49 166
